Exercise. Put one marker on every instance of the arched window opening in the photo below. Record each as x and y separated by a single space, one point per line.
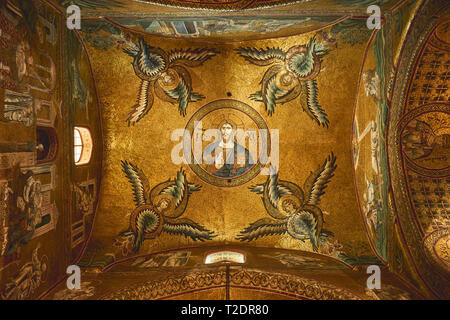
82 145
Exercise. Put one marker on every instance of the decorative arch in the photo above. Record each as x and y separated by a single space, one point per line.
416 186
82 145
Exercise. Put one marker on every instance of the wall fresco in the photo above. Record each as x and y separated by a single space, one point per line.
31 166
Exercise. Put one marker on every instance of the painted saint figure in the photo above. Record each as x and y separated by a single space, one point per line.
19 107
230 158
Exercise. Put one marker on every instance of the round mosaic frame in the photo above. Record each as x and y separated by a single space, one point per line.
435 107
248 111
429 244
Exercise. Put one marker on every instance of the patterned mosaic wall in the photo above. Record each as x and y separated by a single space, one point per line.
420 115
148 87
37 90
427 156
31 166
222 5
426 142
430 201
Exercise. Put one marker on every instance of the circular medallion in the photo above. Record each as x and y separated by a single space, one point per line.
288 204
169 79
442 249
286 80
443 32
228 140
437 248
425 140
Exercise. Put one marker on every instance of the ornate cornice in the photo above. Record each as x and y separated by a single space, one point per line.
284 284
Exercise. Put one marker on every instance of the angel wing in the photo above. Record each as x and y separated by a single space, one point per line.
317 181
148 61
262 57
191 57
311 106
180 189
321 48
144 103
138 181
262 227
304 65
270 93
188 228
272 192
182 93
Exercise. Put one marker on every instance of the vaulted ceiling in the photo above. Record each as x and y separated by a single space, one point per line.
355 122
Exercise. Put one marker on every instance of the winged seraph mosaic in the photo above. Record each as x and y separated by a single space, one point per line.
166 75
159 209
292 73
292 210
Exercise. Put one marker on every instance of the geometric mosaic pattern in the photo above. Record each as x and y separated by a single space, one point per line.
431 80
430 84
294 286
430 200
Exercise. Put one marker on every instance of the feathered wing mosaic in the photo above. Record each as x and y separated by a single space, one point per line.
294 210
291 70
292 74
159 210
166 75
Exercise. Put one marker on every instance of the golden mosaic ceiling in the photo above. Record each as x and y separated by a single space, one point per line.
354 123
226 82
